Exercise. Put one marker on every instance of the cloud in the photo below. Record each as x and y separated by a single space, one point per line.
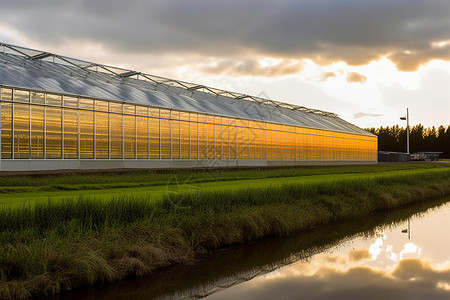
359 254
412 278
326 75
251 67
363 115
409 32
356 77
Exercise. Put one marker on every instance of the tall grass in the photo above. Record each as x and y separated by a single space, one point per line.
60 245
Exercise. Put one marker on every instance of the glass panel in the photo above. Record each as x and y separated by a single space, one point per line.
153 112
116 135
201 140
142 110
21 130
101 105
165 139
240 143
252 141
115 107
6 94
129 109
194 140
70 101
245 141
53 132
70 133
37 131
86 103
54 100
175 139
37 98
218 139
164 113
6 129
225 143
278 144
263 143
210 135
86 134
286 145
101 135
270 154
175 115
21 96
154 138
142 137
184 116
130 136
184 139
232 137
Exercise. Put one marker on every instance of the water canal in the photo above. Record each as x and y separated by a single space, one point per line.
400 254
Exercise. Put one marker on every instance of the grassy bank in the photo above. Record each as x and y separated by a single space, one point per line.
60 245
27 190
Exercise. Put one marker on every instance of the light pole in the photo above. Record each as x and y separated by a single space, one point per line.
407 129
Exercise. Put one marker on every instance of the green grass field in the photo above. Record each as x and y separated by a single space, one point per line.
17 191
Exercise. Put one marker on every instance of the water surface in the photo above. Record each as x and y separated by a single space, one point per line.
371 258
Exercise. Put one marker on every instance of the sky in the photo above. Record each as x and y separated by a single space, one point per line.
366 60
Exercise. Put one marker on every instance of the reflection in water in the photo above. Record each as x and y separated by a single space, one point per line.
368 258
412 278
389 265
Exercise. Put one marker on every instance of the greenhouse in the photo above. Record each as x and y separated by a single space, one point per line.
62 113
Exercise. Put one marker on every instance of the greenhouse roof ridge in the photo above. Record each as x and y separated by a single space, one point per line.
87 67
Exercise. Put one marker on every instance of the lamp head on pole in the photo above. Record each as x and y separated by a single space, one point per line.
403 118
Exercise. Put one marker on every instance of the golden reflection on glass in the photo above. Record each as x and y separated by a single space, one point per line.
194 140
70 133
101 135
116 135
165 138
218 140
6 94
21 130
70 101
225 142
37 131
86 134
202 150
129 125
151 134
37 98
176 138
6 115
21 96
184 139
154 138
142 137
53 132
210 142
232 131
55 100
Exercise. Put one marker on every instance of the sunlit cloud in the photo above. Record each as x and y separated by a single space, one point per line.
410 278
356 77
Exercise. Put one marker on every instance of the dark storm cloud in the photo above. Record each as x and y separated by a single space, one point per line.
355 31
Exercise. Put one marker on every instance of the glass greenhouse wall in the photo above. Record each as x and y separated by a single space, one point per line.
45 126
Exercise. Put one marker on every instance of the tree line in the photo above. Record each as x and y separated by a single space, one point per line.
420 139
